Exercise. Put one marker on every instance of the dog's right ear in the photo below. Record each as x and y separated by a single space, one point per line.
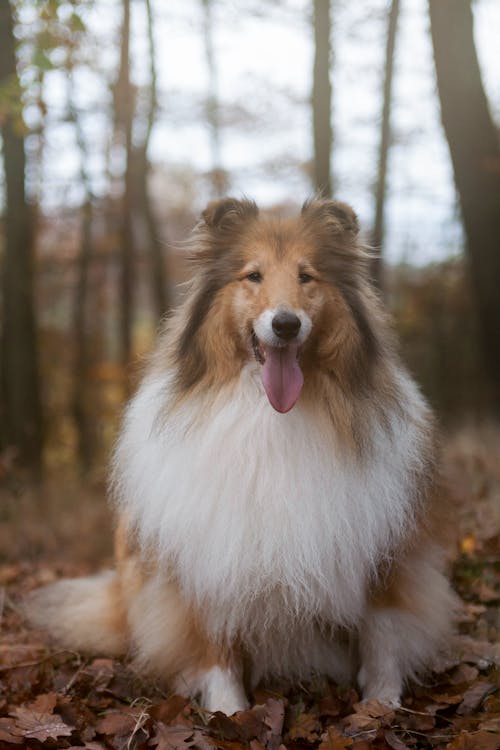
229 213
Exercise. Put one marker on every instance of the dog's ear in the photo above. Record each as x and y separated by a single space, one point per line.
229 213
338 216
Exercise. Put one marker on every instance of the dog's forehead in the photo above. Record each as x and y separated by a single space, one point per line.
275 240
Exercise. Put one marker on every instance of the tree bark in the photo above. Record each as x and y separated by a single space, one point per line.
86 433
124 117
385 141
475 154
158 275
218 174
322 98
21 417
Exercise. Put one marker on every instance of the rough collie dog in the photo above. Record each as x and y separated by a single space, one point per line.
274 479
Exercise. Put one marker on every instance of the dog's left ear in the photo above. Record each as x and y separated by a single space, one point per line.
228 213
339 216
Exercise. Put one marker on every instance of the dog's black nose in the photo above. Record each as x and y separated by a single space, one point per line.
286 325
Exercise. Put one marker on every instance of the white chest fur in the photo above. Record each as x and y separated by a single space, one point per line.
263 515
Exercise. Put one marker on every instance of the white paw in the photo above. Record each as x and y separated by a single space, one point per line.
222 690
379 687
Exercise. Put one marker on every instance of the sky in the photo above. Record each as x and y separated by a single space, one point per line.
264 56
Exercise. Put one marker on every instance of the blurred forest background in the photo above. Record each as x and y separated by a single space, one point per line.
120 119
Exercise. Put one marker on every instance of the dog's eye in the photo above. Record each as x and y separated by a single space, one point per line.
305 278
255 276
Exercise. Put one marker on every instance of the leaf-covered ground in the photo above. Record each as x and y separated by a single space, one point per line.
58 699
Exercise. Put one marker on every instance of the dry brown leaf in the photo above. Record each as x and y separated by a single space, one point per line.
171 737
491 725
10 733
200 741
463 673
274 715
305 727
333 740
169 709
330 705
373 708
368 716
474 741
224 726
252 724
394 741
41 726
117 722
44 703
484 592
473 697
101 671
446 699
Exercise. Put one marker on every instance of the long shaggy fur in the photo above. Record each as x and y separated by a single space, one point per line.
289 542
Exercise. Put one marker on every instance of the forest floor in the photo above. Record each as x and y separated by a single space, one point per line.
50 698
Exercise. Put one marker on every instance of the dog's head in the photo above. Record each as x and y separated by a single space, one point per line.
287 293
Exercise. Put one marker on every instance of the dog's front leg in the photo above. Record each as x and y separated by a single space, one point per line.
405 627
221 689
381 675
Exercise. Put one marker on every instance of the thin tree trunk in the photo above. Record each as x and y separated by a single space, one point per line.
212 106
156 249
475 154
21 418
322 98
124 113
385 141
80 401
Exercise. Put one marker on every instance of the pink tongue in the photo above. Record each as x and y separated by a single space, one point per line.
282 376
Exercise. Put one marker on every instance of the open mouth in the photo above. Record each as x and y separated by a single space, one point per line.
281 374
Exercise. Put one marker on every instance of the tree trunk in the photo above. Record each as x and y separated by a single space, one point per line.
385 141
218 174
86 434
322 98
145 204
475 154
21 417
124 115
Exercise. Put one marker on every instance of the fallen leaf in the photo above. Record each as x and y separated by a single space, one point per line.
10 733
374 708
101 672
169 709
333 740
463 673
44 703
252 724
394 741
224 727
474 741
171 737
116 722
484 592
473 697
305 727
330 706
491 725
41 726
274 717
368 716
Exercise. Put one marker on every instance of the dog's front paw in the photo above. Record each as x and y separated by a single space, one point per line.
222 690
381 687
